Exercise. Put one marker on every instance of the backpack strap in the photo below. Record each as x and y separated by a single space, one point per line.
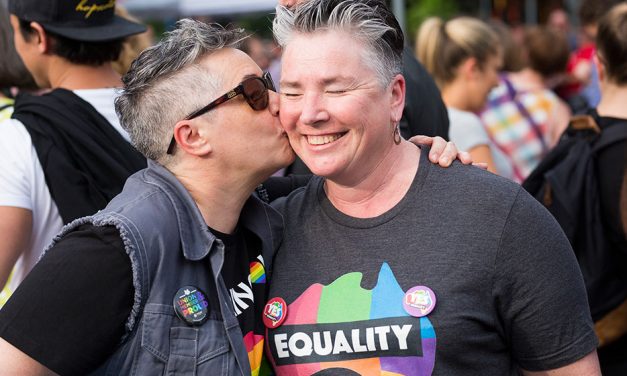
615 133
5 106
523 111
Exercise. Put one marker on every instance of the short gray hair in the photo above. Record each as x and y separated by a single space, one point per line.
369 21
164 82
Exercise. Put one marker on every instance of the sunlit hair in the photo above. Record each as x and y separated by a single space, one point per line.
368 21
612 43
443 46
163 85
547 50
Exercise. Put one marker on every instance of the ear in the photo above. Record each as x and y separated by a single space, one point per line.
191 138
397 99
43 43
469 68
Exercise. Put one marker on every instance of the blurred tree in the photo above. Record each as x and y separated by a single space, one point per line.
259 24
419 10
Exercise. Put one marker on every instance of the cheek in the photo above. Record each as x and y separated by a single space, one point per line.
288 115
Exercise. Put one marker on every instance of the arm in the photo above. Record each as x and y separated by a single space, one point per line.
15 362
540 295
558 122
586 366
15 227
41 321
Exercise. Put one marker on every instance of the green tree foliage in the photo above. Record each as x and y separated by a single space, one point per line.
419 10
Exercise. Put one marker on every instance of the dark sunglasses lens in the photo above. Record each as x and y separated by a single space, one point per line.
256 93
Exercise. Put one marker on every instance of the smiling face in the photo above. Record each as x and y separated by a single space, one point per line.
339 118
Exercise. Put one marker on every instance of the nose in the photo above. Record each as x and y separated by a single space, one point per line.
313 109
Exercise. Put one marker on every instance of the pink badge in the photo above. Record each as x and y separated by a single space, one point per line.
419 301
274 313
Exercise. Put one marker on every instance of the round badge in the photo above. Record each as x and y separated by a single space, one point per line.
419 301
191 305
274 313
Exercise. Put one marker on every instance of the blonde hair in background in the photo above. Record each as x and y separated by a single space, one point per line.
443 46
133 45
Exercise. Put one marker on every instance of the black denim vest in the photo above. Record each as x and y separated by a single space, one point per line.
170 246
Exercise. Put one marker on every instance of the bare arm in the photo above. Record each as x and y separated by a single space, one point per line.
558 122
15 226
586 366
15 362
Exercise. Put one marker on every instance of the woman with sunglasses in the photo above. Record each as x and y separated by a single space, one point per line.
169 278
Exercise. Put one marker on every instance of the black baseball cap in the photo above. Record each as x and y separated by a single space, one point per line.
81 20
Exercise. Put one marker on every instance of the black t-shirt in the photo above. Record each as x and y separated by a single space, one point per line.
611 164
69 312
244 275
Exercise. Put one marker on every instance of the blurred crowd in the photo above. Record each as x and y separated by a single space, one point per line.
509 94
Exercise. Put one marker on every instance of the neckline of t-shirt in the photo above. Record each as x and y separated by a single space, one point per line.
227 239
353 222
609 121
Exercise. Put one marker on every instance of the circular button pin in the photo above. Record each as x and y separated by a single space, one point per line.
274 313
191 305
419 301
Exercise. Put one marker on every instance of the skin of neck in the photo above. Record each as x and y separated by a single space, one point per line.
220 193
527 78
613 99
379 189
455 94
64 74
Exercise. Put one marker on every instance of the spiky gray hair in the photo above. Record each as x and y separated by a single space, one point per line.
369 21
164 82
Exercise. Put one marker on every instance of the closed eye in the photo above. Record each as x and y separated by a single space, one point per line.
290 95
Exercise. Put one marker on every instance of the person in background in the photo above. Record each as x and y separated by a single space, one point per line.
133 45
13 77
390 264
63 155
611 164
464 57
559 20
255 47
13 74
581 90
524 118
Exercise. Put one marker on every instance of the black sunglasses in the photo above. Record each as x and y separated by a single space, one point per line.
254 90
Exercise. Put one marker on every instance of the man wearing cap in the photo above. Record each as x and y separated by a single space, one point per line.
63 155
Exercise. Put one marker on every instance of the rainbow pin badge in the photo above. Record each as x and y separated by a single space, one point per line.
419 301
274 313
191 305
257 272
